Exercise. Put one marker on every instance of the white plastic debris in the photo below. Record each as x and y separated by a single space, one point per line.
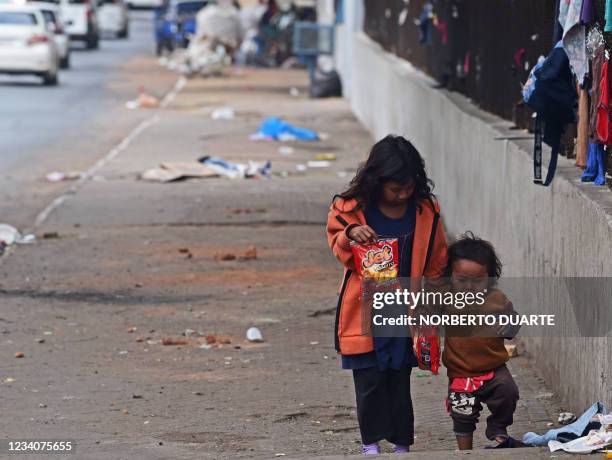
26 239
300 167
223 113
294 92
58 176
319 164
285 150
254 335
9 235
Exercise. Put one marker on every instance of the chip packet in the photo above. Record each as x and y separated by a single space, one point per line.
427 350
379 260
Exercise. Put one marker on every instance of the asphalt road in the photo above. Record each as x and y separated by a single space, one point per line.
68 127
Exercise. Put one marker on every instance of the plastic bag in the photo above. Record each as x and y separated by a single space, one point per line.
427 350
378 260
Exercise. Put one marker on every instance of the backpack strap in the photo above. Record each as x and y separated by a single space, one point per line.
432 239
537 155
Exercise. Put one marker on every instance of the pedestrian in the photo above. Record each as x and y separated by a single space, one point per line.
390 195
475 357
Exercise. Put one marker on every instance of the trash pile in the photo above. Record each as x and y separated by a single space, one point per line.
237 170
206 167
590 432
173 172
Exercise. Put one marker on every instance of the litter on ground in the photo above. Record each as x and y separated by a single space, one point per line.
237 170
318 164
144 100
223 113
58 176
325 157
9 235
172 172
253 334
276 129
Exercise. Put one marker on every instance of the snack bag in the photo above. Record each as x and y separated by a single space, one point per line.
428 351
378 260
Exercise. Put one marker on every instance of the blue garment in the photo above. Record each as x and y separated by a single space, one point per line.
276 128
595 167
390 352
577 428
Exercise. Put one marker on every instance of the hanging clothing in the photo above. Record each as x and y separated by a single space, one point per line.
603 108
586 14
596 68
574 35
595 168
582 140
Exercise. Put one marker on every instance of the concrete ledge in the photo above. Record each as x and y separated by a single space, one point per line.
483 180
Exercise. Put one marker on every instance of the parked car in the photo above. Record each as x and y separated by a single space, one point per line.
145 3
27 45
175 23
52 14
81 21
113 17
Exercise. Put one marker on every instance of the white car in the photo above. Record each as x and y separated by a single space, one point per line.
113 17
52 15
26 44
81 21
145 3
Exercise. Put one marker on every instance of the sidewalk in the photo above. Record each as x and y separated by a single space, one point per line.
135 263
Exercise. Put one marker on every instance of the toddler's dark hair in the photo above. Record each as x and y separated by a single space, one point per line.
476 249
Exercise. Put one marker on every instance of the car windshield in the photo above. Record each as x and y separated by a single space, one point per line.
17 18
49 16
189 7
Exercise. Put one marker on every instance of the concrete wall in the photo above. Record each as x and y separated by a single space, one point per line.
484 185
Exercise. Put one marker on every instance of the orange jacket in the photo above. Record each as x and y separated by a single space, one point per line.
349 337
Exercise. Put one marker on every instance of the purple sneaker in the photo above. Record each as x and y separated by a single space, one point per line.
370 449
399 449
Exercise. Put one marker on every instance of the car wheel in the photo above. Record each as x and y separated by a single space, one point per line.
124 33
65 62
93 42
50 78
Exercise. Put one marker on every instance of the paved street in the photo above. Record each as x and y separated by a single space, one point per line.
135 263
69 127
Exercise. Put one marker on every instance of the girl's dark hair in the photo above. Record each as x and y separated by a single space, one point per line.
391 159
472 248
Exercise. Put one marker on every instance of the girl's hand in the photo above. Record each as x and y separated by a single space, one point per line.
362 234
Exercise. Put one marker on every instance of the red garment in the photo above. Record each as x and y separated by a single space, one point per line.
603 109
470 384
